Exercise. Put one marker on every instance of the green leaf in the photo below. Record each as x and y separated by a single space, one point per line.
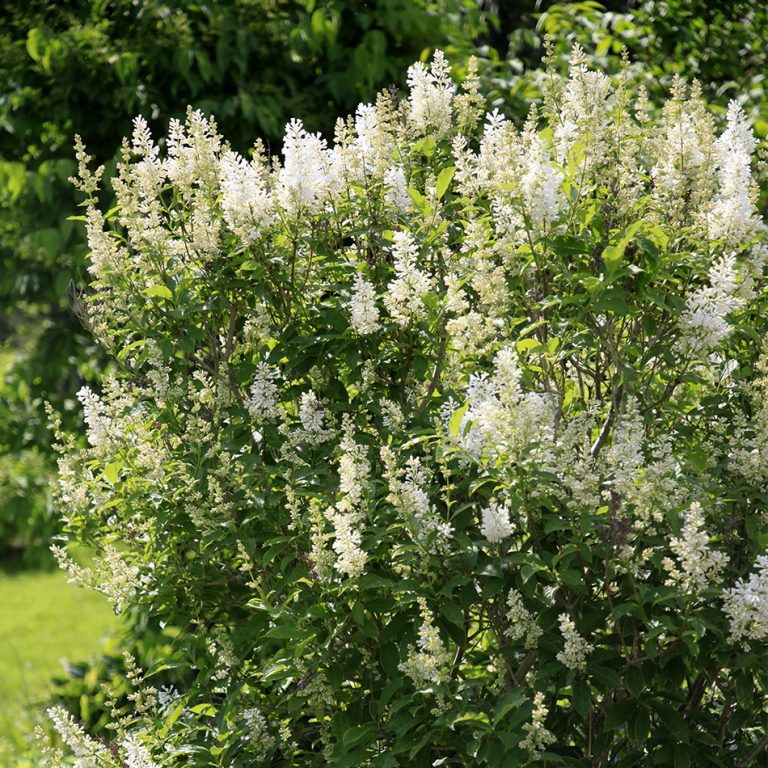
455 423
634 680
357 735
161 291
682 756
112 471
508 702
422 204
582 697
444 181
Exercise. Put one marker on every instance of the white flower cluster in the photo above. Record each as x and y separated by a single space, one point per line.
504 420
409 496
404 299
519 175
262 403
429 664
363 312
522 623
312 416
749 447
258 732
496 524
537 737
245 200
541 187
704 323
624 457
308 178
431 96
746 605
575 648
136 754
586 106
87 751
110 573
698 566
346 516
98 424
733 217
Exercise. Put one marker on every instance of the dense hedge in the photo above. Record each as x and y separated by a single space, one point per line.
444 444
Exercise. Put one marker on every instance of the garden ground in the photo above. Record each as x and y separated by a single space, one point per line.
44 621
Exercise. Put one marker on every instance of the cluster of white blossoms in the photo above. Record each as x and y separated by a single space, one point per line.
698 566
624 457
363 312
704 323
313 419
97 422
522 623
245 199
746 605
404 299
431 96
346 516
504 420
733 217
265 394
408 494
429 664
575 648
496 524
259 732
308 177
110 573
537 736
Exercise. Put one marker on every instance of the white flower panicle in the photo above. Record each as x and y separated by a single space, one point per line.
431 96
88 752
537 737
496 524
363 312
307 179
136 754
409 496
624 457
396 189
347 514
312 416
259 734
264 396
733 217
110 573
704 323
522 624
502 420
350 557
586 106
541 186
575 648
404 299
429 663
698 566
746 605
98 423
245 200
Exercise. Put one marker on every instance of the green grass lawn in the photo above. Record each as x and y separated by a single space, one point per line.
43 620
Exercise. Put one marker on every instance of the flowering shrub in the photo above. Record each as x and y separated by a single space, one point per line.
443 445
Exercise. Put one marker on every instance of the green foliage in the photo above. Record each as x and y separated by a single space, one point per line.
720 44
